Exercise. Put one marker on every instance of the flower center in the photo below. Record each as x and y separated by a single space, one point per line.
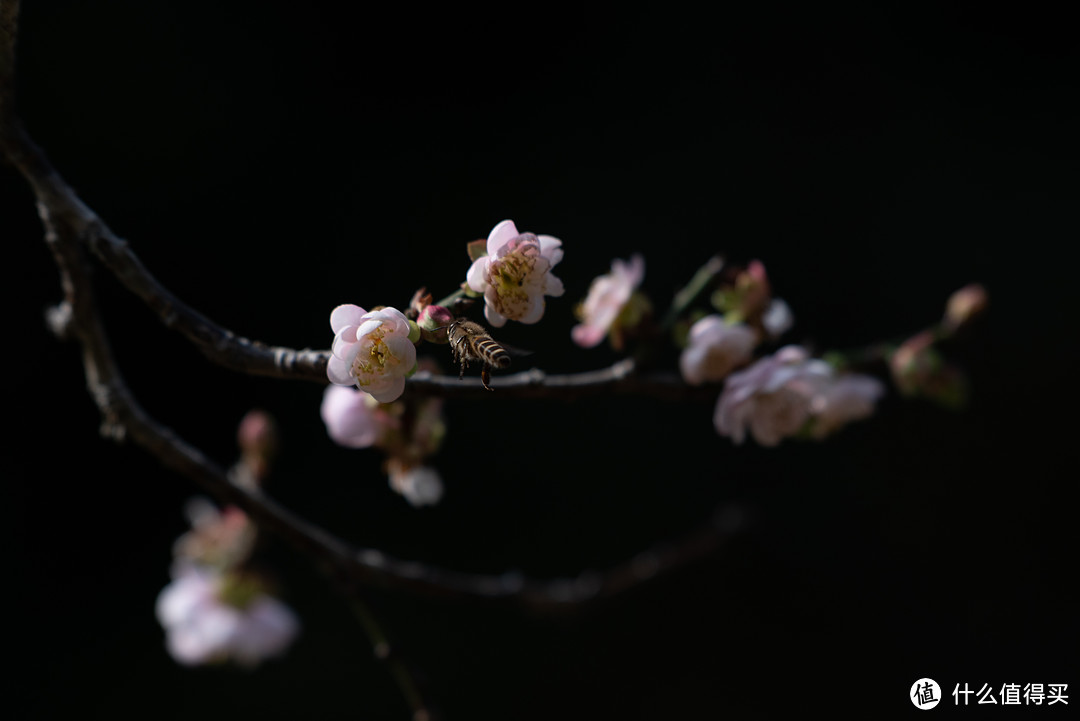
374 362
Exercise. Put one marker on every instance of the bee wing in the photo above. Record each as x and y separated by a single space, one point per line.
514 351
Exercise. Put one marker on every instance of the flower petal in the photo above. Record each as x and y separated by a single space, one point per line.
344 315
550 248
497 319
368 326
500 235
337 371
553 286
535 312
477 276
389 391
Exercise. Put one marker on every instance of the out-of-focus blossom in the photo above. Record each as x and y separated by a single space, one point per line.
849 397
714 349
222 539
787 392
420 485
772 397
608 297
964 305
918 369
353 419
202 627
748 299
515 275
777 318
373 350
257 436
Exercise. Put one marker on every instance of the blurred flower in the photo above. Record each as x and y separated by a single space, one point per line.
850 397
202 627
420 485
771 397
353 419
714 349
372 350
777 318
964 305
788 392
515 275
222 539
918 369
257 436
608 296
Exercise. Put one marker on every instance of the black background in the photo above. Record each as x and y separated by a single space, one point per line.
268 161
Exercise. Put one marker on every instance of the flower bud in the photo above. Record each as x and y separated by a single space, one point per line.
964 305
434 320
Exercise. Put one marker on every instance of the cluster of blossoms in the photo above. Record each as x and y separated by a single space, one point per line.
408 432
214 611
376 351
781 395
785 394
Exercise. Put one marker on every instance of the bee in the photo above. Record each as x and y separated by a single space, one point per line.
470 341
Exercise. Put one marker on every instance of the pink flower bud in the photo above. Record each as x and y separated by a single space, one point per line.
964 305
434 321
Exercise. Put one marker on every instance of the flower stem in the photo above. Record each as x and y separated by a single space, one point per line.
693 290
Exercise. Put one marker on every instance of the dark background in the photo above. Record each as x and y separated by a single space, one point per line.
268 161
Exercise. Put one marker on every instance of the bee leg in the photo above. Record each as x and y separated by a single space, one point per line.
485 376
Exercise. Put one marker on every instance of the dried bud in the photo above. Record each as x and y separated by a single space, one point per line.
421 299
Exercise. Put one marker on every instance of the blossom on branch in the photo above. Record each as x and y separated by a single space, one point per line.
608 299
515 275
213 617
788 393
353 419
715 348
373 350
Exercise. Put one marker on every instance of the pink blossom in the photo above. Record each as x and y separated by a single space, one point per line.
371 350
353 419
771 397
783 394
201 628
850 397
515 275
715 348
420 485
607 297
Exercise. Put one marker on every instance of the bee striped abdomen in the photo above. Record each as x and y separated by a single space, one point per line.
492 353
